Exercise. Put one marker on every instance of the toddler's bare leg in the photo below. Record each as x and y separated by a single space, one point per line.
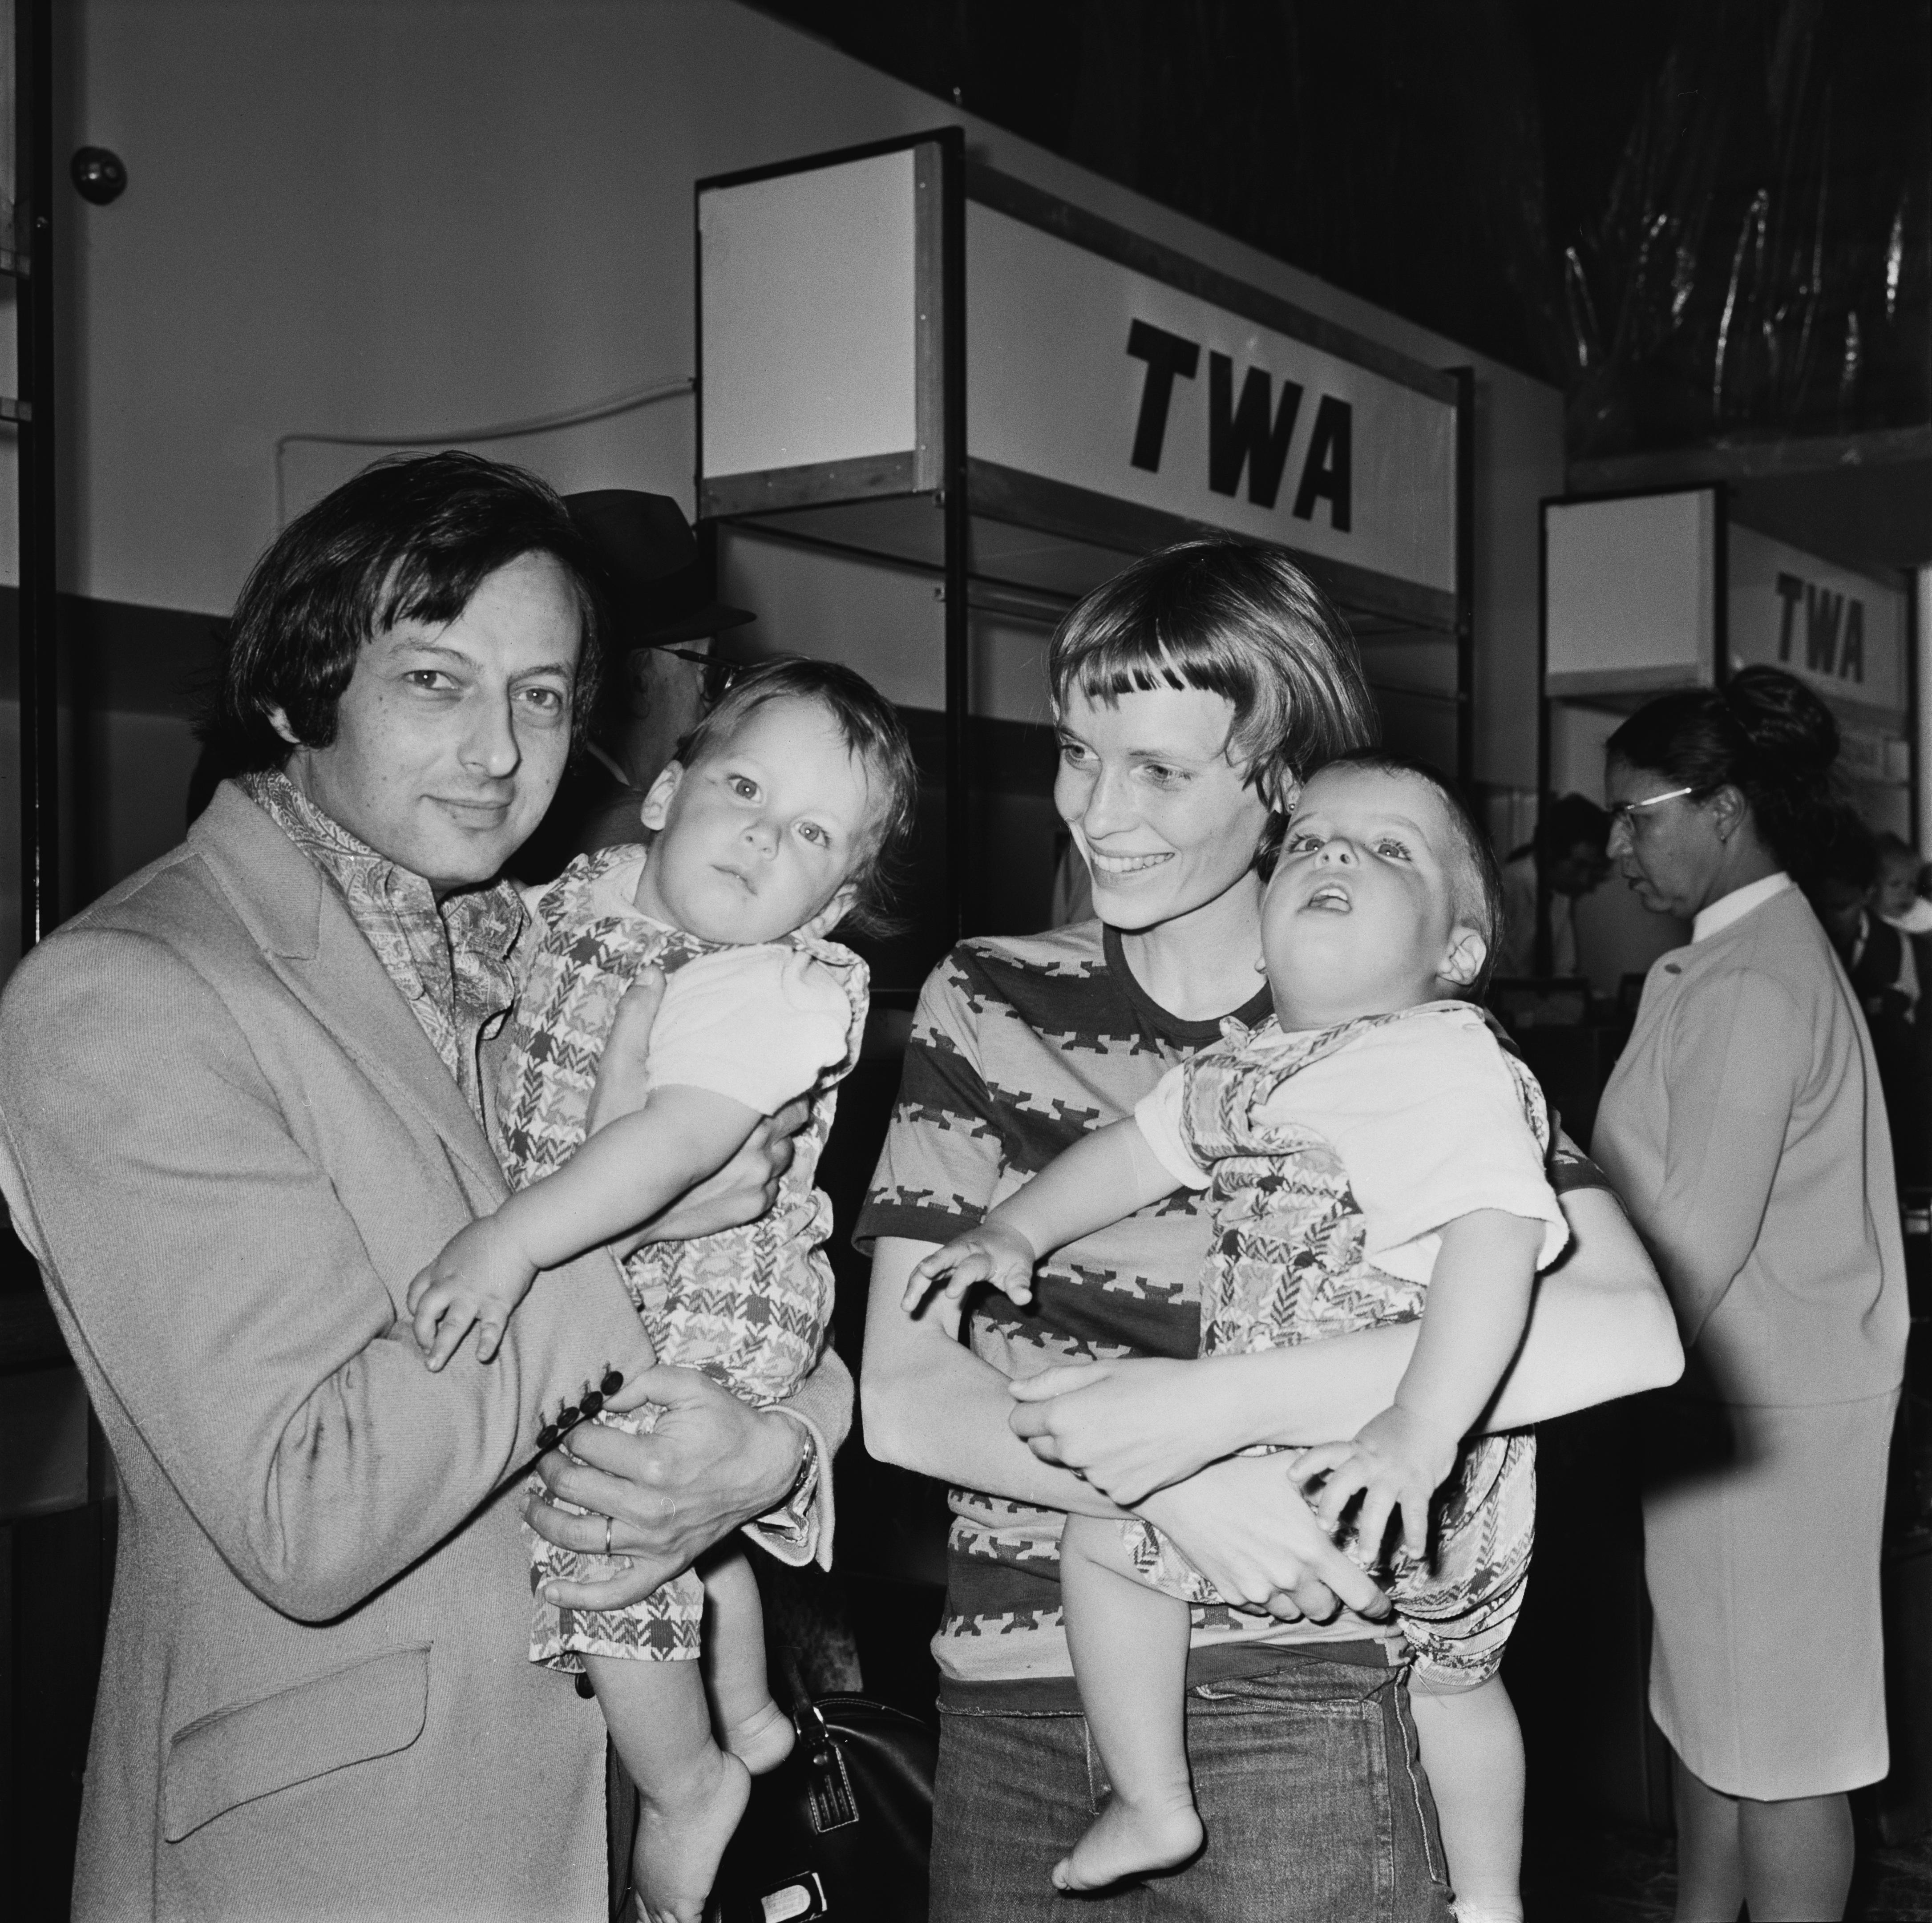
692 1792
1130 1648
750 1724
1472 1750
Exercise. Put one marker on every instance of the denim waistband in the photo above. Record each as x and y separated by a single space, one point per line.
1059 1696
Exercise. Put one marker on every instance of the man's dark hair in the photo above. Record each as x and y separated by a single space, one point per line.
1479 897
410 538
870 727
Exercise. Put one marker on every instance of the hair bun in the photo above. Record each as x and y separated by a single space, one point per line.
1791 733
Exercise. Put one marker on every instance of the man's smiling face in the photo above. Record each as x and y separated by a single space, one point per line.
450 740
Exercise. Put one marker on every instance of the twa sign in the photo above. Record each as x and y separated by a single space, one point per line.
1841 632
1083 371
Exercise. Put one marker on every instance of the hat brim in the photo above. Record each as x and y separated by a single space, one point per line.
699 623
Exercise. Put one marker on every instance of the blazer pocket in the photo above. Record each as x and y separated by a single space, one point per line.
373 1708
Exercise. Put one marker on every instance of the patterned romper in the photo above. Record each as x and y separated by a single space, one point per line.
1287 1266
750 1306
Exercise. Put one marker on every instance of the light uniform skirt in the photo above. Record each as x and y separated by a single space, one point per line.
1761 1549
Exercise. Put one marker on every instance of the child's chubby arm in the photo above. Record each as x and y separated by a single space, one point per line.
635 1165
1103 1176
1472 1326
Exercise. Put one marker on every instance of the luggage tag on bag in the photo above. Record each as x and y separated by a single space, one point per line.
830 1790
799 1899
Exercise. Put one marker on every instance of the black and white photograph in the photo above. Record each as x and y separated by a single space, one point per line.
1296 634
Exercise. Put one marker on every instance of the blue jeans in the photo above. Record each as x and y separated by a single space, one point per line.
1307 1778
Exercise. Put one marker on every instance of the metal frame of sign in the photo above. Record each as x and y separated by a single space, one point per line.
792 502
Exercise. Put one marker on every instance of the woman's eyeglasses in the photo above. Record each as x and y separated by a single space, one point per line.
1625 813
718 675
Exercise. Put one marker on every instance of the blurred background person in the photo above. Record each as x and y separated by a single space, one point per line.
661 670
1570 847
1744 1129
1901 899
1848 890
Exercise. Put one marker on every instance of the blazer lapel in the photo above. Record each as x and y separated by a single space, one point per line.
309 939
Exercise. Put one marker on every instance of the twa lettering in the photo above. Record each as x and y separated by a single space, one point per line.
1835 628
1250 434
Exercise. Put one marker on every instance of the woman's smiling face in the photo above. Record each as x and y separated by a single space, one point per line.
1166 822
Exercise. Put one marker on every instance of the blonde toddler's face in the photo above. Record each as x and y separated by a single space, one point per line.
1361 914
762 835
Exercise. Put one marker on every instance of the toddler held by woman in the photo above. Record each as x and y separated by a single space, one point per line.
767 832
1374 1157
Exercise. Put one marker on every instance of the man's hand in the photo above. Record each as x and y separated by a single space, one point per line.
1397 1461
711 1464
1242 1524
479 1278
991 1253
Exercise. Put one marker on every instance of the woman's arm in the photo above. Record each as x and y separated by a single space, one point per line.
931 1405
1600 1328
1737 1058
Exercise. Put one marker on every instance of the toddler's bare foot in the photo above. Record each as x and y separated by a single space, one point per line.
1130 1840
762 1740
674 1862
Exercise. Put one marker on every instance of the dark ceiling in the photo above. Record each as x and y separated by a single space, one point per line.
1709 221
1502 170
1434 159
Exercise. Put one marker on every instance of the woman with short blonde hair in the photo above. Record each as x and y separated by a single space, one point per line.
1193 693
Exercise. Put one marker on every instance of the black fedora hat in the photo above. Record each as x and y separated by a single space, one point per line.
650 569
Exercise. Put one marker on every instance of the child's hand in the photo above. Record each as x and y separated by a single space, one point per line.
992 1253
1396 1461
481 1276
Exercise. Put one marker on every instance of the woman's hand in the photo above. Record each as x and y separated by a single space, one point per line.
1244 1526
712 1463
1129 1426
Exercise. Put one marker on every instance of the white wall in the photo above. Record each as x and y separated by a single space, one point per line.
403 218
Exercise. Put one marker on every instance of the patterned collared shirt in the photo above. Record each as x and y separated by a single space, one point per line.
451 960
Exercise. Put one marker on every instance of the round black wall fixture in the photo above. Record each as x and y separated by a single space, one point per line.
99 175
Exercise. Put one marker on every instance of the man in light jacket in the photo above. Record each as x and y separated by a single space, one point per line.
243 1100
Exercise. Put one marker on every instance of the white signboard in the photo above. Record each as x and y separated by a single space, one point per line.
1841 632
809 316
1630 593
1082 371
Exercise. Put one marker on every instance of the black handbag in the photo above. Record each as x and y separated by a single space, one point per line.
842 1829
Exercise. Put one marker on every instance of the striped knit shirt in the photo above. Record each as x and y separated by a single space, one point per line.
1020 1046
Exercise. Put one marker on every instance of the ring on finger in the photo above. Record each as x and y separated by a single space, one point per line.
607 1535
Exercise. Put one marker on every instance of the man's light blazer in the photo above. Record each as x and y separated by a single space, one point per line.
231 1146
